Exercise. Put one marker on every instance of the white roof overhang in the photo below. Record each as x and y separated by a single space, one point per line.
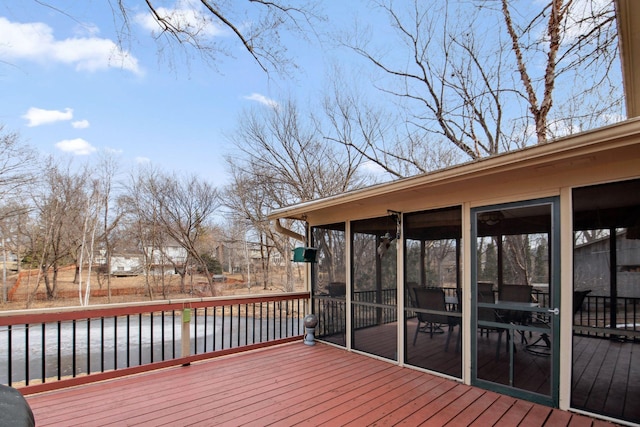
579 150
628 18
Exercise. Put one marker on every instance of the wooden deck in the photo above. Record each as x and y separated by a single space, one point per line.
289 385
606 377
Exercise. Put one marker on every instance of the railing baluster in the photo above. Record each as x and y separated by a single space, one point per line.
231 326
173 334
115 342
26 359
59 349
195 330
239 327
205 329
222 330
101 343
88 345
162 338
10 355
215 316
151 336
253 329
275 313
73 345
140 339
128 341
246 324
44 352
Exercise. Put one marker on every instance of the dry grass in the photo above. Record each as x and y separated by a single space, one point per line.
25 293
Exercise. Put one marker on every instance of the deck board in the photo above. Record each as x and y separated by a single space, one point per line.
286 385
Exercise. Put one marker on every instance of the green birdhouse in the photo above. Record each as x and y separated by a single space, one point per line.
303 254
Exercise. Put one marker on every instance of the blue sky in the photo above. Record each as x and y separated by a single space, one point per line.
69 90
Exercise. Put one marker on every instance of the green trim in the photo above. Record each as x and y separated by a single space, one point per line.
554 295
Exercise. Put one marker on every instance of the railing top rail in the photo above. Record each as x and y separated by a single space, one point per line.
54 314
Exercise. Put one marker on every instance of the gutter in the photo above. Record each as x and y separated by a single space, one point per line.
280 229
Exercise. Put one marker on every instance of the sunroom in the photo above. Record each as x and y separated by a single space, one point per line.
518 273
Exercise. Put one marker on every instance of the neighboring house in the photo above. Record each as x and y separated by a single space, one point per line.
127 265
233 257
593 266
166 259
163 260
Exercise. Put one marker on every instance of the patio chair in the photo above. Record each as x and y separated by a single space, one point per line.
578 300
410 286
516 293
337 289
486 295
544 349
433 299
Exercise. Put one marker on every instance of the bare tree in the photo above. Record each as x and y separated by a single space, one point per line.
18 164
91 214
211 27
370 131
180 208
17 174
59 203
249 203
107 170
141 223
282 160
480 75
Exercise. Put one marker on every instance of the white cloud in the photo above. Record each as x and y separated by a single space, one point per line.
262 99
370 167
142 160
38 116
115 151
80 124
185 15
36 42
77 146
580 20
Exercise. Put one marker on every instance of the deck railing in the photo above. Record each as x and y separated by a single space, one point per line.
51 348
370 309
594 318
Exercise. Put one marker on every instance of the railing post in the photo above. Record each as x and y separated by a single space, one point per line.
185 337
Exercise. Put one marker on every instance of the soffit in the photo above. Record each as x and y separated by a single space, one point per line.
628 19
533 163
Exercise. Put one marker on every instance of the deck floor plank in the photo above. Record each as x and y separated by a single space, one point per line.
300 396
327 403
427 412
245 397
537 416
389 409
515 414
471 413
452 410
287 385
405 412
495 411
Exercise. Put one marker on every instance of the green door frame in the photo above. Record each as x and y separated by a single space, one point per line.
554 295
